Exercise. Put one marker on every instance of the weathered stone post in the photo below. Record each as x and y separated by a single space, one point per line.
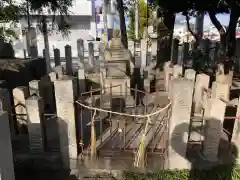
213 122
20 94
236 133
181 98
143 52
65 101
80 49
167 75
174 51
6 155
220 90
177 71
68 57
59 71
57 60
35 110
199 100
52 76
32 43
34 87
81 81
190 74
47 91
91 58
201 85
6 106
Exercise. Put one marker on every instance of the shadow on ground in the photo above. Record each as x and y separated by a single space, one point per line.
201 168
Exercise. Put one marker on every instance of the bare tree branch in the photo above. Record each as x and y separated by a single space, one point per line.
216 22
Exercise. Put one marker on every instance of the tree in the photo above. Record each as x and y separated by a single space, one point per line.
59 9
9 16
121 11
145 18
212 7
228 35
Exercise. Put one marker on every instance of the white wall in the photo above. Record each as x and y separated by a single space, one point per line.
80 7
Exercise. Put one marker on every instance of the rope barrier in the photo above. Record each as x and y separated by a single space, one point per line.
125 114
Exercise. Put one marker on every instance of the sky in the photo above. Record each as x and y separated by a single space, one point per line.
223 18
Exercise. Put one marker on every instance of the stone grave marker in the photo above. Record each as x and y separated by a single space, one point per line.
20 94
181 98
91 58
6 155
220 90
34 87
190 74
35 110
64 95
167 75
177 71
57 56
200 95
236 132
68 57
213 125
6 106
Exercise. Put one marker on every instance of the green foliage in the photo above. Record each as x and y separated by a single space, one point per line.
145 18
9 16
59 8
216 173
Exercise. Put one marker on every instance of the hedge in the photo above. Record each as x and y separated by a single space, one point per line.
217 173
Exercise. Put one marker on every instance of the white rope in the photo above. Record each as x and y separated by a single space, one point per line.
125 114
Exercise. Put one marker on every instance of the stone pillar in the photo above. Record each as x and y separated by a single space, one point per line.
220 90
32 43
20 94
177 71
81 81
185 53
48 92
80 50
236 133
200 95
44 53
174 51
68 57
64 95
59 72
101 57
213 121
181 98
35 110
57 56
143 52
225 78
220 69
190 74
52 76
6 106
34 87
6 155
91 58
167 75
